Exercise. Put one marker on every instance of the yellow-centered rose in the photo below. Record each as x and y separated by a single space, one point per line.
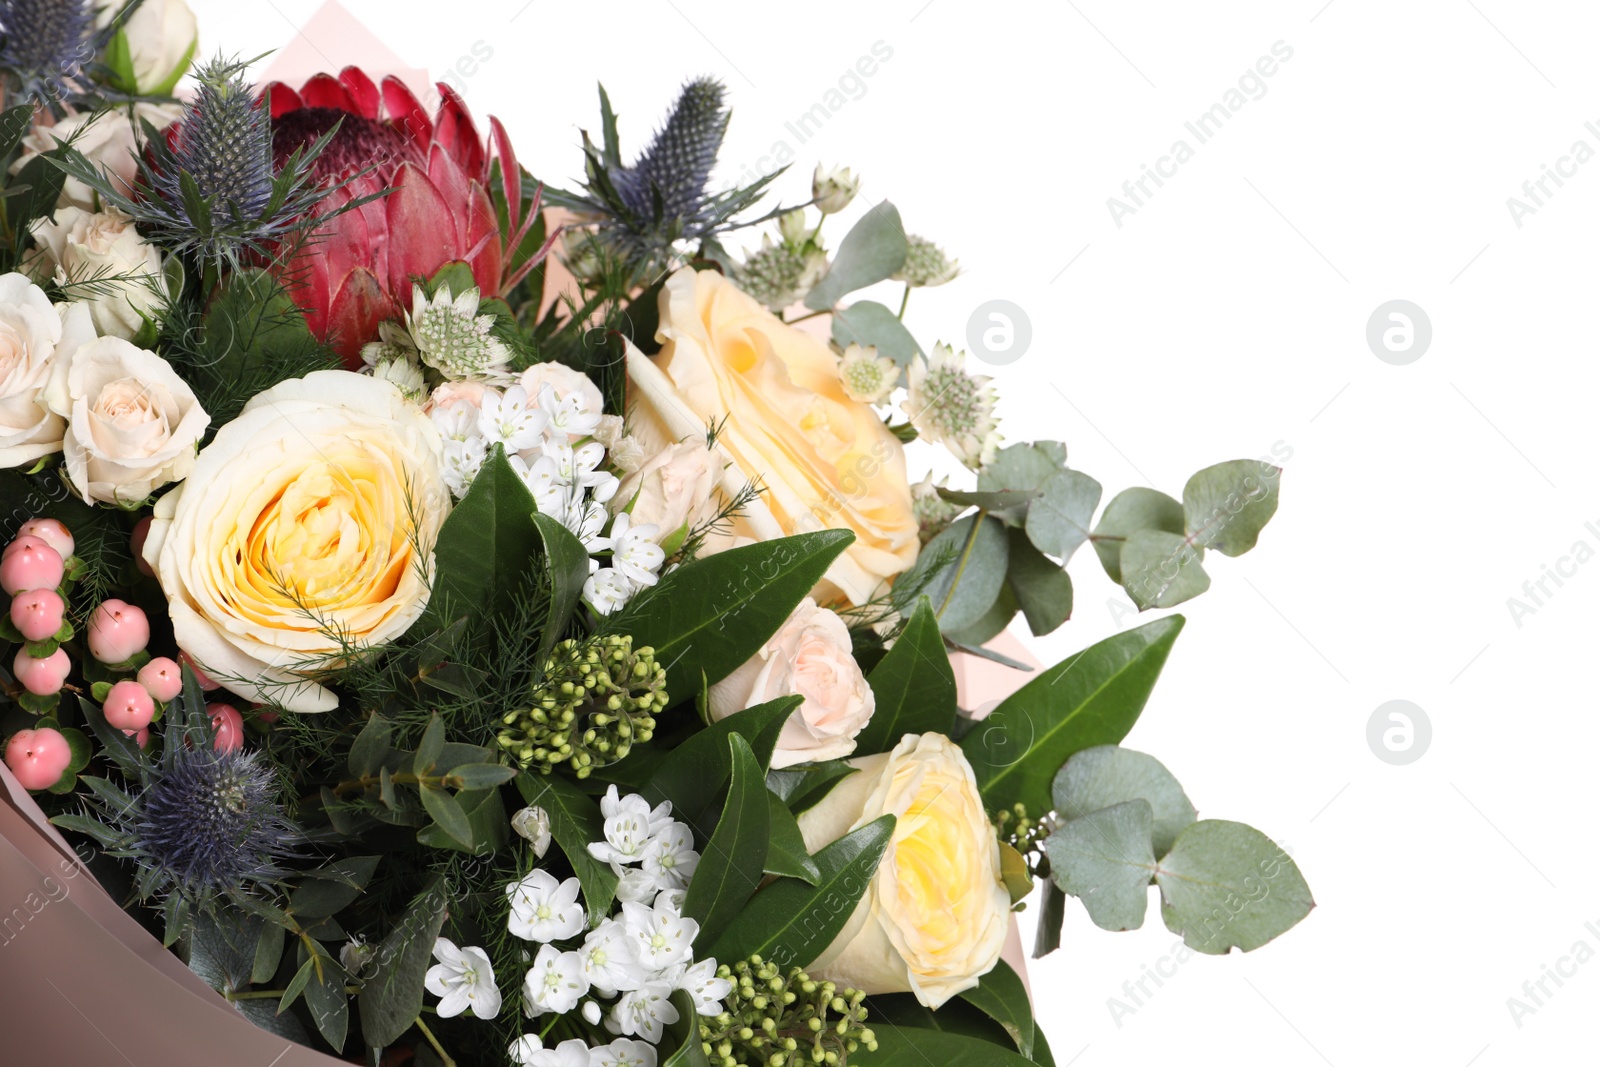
824 460
306 527
935 915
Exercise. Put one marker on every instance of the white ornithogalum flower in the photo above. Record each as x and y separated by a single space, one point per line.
462 979
452 337
462 461
644 1012
634 551
532 824
926 264
524 1048
591 1012
623 1052
867 377
952 407
570 414
543 479
670 900
629 825
609 961
700 981
606 590
572 1053
832 190
543 909
670 858
661 937
634 883
586 518
511 419
555 982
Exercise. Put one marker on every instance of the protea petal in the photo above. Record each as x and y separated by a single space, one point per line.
281 98
484 248
455 130
324 90
420 218
363 93
510 171
404 108
357 308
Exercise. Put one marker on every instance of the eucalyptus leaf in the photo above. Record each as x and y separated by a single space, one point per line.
448 814
913 686
1042 586
967 561
867 322
874 249
1058 522
431 747
489 830
1226 505
995 500
730 867
326 998
1092 697
480 775
575 821
1105 775
370 749
391 1000
1105 860
989 625
1162 570
1130 511
1226 885
1023 467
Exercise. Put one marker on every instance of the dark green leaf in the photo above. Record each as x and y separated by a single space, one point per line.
330 1006
370 750
316 898
487 817
1091 698
567 562
693 774
874 249
1001 995
296 985
790 922
786 849
574 822
913 687
684 1035
803 786
269 952
711 615
480 775
448 814
730 867
391 1001
431 747
14 123
910 1046
486 547
1052 910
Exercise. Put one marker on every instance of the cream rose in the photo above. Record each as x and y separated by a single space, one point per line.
935 915
132 424
104 249
154 46
33 335
563 380
809 656
323 498
673 489
773 391
109 138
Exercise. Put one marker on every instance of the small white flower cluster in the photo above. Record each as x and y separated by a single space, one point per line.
549 438
635 959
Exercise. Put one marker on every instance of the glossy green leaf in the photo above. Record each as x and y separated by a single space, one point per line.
791 922
1042 586
709 616
1162 570
1105 860
967 561
683 1036
1058 522
803 786
1226 505
486 547
874 249
913 686
1001 995
786 848
391 1001
867 322
693 775
1092 697
575 821
1107 774
567 564
731 865
1052 905
1226 885
909 1046
1132 510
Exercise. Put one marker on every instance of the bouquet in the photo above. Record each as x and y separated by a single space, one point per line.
493 622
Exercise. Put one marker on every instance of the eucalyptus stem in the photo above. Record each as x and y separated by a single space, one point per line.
904 300
443 1055
809 315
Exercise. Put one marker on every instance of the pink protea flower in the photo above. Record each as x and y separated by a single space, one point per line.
357 269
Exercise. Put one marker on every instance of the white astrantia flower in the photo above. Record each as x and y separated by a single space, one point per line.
452 337
511 419
609 961
700 981
670 858
644 1012
634 551
623 1052
555 982
867 377
462 979
571 414
533 825
543 909
952 407
661 937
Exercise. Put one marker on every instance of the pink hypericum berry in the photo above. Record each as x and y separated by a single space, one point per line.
228 725
30 563
38 757
201 677
38 613
140 737
42 677
129 706
141 530
52 533
162 677
117 631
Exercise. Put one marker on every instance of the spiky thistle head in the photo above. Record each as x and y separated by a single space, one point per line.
224 143
45 45
669 180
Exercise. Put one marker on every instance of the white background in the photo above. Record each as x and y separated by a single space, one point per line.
1227 316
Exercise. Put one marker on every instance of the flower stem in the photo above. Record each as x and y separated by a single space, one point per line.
809 315
904 300
443 1055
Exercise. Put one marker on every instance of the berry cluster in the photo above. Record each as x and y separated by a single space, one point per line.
782 1020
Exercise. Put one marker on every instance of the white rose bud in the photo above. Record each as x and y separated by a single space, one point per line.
534 825
809 656
109 138
153 48
133 425
118 271
672 489
935 915
832 190
34 337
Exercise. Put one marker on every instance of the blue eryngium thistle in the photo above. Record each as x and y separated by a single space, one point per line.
675 168
208 188
45 46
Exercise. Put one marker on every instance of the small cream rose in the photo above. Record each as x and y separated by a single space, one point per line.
673 489
809 656
564 381
33 336
935 915
117 271
109 138
154 47
132 424
306 527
